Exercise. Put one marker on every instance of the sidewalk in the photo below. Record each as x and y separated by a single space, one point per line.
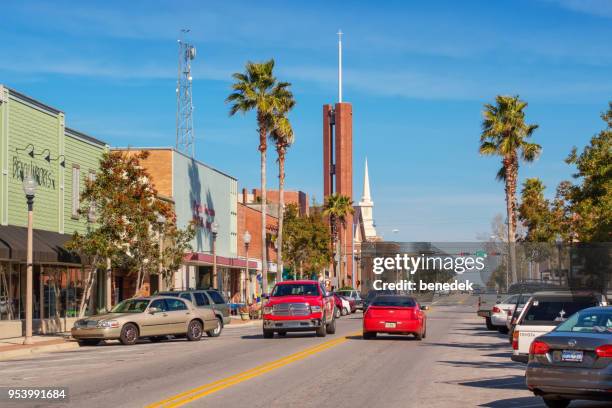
14 348
238 322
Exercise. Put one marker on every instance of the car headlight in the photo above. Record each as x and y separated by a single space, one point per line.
267 310
107 323
315 309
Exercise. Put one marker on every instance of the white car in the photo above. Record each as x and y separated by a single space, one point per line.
502 310
346 307
543 312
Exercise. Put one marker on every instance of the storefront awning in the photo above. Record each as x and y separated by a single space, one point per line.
48 246
221 260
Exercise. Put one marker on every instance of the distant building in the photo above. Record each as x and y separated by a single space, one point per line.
298 198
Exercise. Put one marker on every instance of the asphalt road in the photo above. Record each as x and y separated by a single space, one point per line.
459 364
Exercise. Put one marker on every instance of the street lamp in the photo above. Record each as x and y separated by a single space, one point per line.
161 221
246 237
559 241
29 188
214 228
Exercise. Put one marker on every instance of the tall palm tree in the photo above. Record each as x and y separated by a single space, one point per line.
283 137
337 207
257 89
505 134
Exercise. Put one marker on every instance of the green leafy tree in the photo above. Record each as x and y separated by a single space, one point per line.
590 202
123 212
505 134
258 90
536 214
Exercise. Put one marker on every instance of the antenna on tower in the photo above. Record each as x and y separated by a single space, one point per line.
185 137
340 65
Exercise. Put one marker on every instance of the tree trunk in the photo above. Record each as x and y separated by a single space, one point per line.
511 174
264 259
281 212
87 290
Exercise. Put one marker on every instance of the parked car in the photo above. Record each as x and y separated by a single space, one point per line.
504 308
154 317
543 312
353 294
302 305
395 314
343 306
574 361
352 303
487 298
206 299
514 314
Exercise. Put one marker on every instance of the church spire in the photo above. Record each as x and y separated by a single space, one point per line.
365 198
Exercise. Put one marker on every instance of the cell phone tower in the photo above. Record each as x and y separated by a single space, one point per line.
185 138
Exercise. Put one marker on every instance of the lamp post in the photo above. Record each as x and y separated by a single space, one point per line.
29 188
559 241
161 221
246 237
214 228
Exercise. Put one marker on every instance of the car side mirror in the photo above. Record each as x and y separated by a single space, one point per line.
423 307
153 310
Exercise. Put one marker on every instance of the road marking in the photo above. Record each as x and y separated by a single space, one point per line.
210 388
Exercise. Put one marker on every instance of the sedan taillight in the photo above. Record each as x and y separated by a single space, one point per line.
538 347
515 337
496 309
604 351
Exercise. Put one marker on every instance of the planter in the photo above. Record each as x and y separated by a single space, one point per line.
244 315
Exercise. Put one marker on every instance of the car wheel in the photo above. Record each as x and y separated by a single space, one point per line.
418 336
424 331
556 402
489 324
337 312
330 328
157 339
129 334
216 332
89 342
268 334
369 335
282 333
321 330
194 331
344 311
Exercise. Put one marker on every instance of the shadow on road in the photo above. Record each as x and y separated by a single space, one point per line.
485 364
521 402
514 382
478 346
384 337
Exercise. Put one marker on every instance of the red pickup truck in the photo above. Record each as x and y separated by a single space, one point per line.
302 305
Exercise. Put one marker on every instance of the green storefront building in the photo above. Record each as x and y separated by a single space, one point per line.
34 140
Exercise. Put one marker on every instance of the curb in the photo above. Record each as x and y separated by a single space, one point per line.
31 351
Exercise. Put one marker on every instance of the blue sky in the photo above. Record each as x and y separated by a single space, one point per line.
417 74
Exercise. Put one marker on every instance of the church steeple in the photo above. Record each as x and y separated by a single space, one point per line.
365 198
366 205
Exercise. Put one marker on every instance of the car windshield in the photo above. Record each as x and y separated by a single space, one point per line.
299 289
131 306
394 301
591 321
174 294
555 311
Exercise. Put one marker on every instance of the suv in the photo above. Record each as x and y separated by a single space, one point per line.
206 299
302 305
352 294
546 310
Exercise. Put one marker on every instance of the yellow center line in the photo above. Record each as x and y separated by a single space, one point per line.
210 388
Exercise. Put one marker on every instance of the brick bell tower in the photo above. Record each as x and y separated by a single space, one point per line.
338 172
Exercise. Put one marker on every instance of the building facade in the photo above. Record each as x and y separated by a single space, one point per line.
34 140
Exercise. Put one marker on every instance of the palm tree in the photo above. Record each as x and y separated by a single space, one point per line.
257 89
337 207
283 137
505 134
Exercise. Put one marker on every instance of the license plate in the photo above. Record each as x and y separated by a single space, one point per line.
390 325
572 355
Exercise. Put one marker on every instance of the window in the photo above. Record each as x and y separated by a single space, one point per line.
216 297
176 304
131 306
201 299
160 304
555 311
76 190
186 296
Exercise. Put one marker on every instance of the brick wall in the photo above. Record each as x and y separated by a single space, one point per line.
159 167
298 198
249 219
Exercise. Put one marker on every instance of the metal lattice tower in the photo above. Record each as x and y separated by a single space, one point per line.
185 137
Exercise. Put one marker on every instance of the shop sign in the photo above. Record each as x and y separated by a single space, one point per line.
44 177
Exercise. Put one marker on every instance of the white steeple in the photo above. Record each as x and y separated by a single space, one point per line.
366 205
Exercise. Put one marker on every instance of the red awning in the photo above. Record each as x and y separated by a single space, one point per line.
221 260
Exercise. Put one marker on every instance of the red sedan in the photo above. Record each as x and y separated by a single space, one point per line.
395 314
